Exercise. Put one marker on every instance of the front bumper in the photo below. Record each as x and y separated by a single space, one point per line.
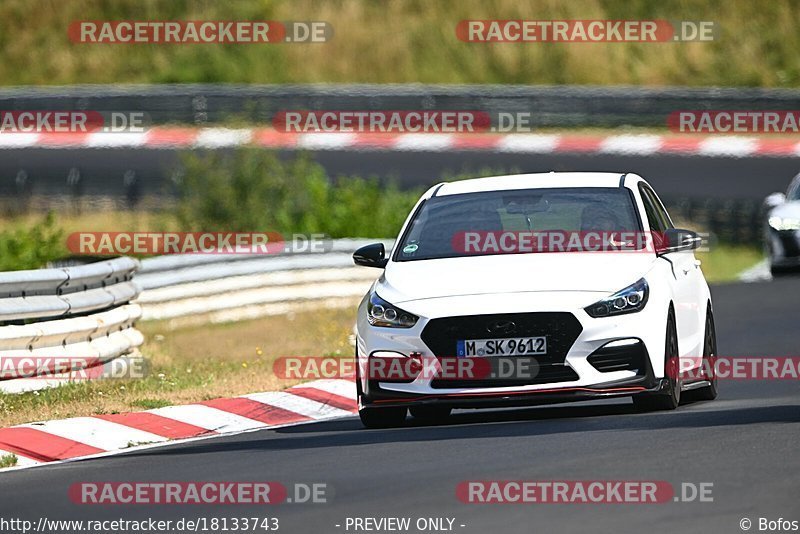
580 340
784 247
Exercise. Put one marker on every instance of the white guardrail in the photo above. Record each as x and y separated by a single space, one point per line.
194 289
55 322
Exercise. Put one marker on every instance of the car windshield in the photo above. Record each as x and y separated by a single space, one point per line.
520 221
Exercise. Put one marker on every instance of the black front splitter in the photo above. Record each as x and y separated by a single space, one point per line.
519 398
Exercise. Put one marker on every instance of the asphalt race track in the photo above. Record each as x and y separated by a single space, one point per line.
103 170
745 443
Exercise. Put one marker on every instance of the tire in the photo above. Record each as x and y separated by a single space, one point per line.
671 400
709 350
382 417
377 417
432 414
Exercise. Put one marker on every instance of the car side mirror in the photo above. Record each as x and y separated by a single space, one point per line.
775 199
678 240
373 255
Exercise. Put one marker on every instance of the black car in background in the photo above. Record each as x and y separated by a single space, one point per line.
782 229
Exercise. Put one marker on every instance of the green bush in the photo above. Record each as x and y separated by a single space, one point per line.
8 460
31 248
253 190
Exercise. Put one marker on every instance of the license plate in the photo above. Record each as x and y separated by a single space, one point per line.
512 346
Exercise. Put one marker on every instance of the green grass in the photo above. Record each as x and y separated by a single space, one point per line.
724 263
31 246
397 41
8 460
150 404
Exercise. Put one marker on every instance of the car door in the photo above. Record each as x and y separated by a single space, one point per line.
686 277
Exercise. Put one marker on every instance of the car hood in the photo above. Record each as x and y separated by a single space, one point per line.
605 272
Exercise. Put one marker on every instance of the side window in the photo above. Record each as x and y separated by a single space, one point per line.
661 209
656 219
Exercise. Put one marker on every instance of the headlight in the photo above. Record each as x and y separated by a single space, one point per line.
629 300
381 313
784 223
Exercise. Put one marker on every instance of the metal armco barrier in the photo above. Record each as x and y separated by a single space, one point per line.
548 105
59 319
193 289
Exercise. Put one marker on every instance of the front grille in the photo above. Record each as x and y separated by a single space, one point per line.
626 358
791 247
560 328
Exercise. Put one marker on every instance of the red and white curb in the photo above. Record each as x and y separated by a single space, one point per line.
523 143
100 435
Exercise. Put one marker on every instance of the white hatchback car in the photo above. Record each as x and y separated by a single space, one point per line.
532 289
